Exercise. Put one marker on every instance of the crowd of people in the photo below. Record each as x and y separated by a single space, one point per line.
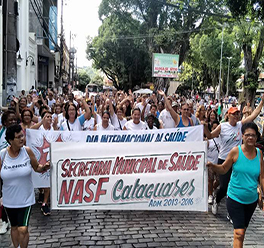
231 138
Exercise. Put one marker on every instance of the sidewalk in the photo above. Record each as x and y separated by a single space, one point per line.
136 229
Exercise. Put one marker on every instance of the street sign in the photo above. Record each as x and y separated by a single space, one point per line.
165 65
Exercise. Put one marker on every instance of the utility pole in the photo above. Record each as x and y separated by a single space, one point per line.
10 8
221 58
227 82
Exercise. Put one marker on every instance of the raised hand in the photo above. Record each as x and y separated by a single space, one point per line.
161 92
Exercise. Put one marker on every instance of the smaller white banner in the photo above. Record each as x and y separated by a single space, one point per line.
131 176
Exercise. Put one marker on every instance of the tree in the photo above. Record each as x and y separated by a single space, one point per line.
84 79
122 60
134 29
99 81
249 16
204 58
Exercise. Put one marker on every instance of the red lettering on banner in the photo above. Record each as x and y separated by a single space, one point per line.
64 193
196 162
99 190
89 191
184 162
63 167
78 192
129 166
80 168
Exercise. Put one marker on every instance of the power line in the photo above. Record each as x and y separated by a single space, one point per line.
155 35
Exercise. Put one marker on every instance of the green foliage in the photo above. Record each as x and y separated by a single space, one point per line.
84 79
122 60
99 81
249 15
204 58
134 29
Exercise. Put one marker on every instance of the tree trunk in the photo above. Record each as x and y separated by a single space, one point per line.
251 67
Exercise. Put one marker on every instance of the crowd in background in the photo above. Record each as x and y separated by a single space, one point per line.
118 110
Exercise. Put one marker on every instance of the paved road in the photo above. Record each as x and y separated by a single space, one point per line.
136 229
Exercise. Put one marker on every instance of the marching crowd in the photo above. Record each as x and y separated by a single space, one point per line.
235 165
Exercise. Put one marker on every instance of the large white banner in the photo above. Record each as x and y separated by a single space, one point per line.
39 141
131 176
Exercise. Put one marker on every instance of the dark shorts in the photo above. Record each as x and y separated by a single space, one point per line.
240 213
18 216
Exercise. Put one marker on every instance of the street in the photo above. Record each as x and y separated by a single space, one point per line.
136 229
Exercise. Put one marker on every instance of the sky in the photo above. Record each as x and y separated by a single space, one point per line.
81 19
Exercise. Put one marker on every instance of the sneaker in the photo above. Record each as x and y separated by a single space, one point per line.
4 227
229 218
45 209
41 198
210 199
214 207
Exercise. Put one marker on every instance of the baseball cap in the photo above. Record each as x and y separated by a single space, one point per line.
232 110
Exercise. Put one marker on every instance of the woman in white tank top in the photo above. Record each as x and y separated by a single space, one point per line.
16 164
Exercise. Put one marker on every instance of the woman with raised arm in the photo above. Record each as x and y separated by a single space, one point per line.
248 170
16 164
180 121
230 135
73 122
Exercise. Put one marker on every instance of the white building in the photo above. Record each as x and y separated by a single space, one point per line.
27 68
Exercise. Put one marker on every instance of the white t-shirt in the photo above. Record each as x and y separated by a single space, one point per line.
147 109
230 137
154 128
51 102
130 125
29 105
88 124
166 119
118 124
75 126
195 120
36 111
98 119
100 127
54 116
42 128
60 117
213 148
